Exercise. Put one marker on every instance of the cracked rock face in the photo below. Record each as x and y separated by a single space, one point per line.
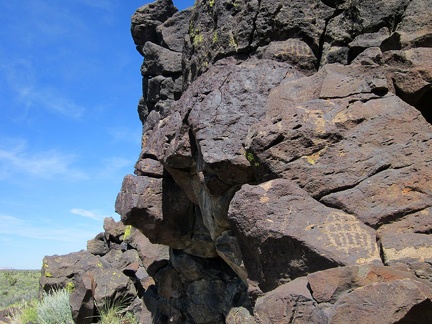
297 141
285 171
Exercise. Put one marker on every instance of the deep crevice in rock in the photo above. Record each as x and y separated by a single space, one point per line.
397 215
322 195
323 36
254 27
399 16
424 105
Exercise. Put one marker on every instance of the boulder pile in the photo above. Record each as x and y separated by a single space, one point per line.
285 172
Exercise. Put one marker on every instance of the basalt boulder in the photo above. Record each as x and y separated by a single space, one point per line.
355 293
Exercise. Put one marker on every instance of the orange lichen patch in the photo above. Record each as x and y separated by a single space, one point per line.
264 199
406 190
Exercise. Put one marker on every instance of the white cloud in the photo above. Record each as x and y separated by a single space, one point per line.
53 19
89 214
50 100
19 75
14 226
16 158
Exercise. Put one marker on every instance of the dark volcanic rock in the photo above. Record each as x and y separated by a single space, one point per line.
358 294
98 246
96 280
58 271
200 140
82 299
317 126
172 32
203 289
147 18
301 136
158 208
284 233
290 303
160 61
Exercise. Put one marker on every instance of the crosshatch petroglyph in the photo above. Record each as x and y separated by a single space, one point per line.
345 234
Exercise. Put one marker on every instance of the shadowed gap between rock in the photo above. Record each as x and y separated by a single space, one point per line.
424 105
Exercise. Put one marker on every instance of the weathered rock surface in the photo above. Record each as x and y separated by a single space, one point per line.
317 126
285 172
284 234
96 280
82 299
348 294
147 18
155 206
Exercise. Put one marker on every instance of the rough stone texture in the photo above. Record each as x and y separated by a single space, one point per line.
284 233
348 294
98 245
112 286
171 33
160 61
82 299
57 271
97 280
293 51
300 135
290 303
418 222
317 126
155 207
282 140
147 18
152 256
411 75
409 252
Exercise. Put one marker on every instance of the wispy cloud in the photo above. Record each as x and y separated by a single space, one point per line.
50 100
19 76
57 19
16 158
23 228
95 215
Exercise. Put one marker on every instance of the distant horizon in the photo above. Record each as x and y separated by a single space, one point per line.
2 269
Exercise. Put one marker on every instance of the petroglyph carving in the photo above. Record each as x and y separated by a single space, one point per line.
345 234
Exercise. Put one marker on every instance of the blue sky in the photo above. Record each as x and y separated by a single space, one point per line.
69 130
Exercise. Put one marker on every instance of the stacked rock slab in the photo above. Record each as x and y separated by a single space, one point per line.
115 270
291 159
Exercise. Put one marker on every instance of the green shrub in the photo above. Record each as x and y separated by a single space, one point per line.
27 313
54 308
24 312
10 278
115 313
17 286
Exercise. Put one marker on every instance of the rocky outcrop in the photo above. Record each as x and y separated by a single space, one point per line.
285 172
299 142
113 270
